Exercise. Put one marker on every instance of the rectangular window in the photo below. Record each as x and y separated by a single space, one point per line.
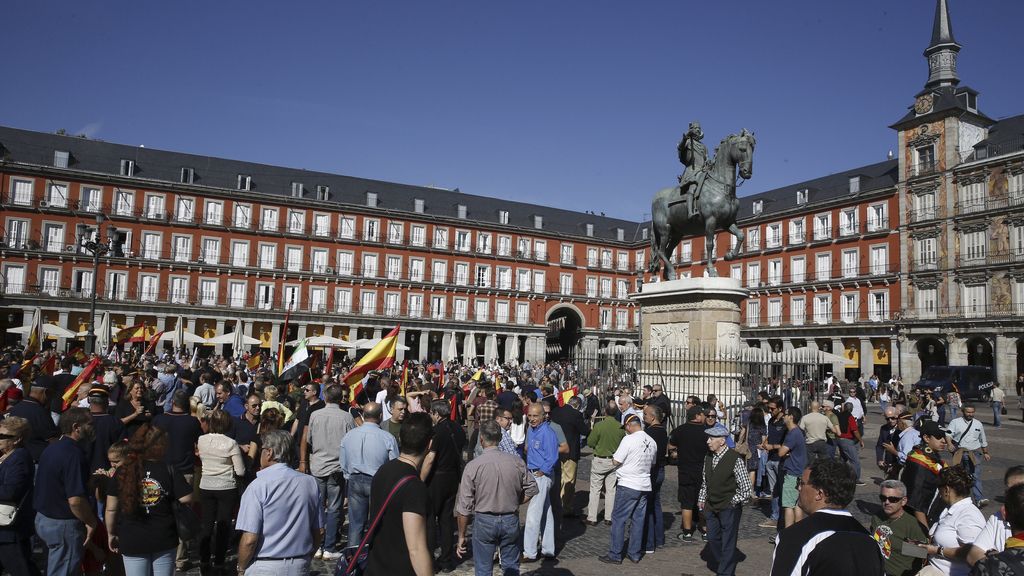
686 251
460 211
437 305
566 254
155 207
441 238
22 193
416 269
848 308
392 303
974 247
53 237
188 175
854 184
975 301
753 312
213 213
502 216
239 253
296 222
621 289
415 305
850 267
1015 186
371 199
343 300
823 227
591 287
439 273
606 259
243 216
538 281
323 193
565 284
17 234
369 265
81 283
417 205
774 312
504 278
483 243
179 290
127 167
879 260
268 219
318 260
460 309
211 251
822 309
393 267
622 261
321 225
774 272
60 158
523 248
522 312
207 292
523 280
924 207
317 299
185 210
461 274
346 227
346 263
848 222
481 310
622 320
483 276
293 258
640 259
291 297
823 267
265 296
925 160
926 258
268 256
876 218
538 222
371 230
773 235
736 272
504 246
540 250
797 310
236 294
878 306
117 285
92 199
796 231
50 281
368 303
753 274
418 235
244 182
182 248
501 312
297 190
57 195
753 239
395 232
592 257
462 240
606 287
758 207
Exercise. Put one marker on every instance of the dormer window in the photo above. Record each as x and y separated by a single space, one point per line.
502 216
854 184
417 205
244 182
801 197
538 222
460 210
590 230
323 193
297 190
61 158
127 167
188 175
371 199
643 233
758 207
620 234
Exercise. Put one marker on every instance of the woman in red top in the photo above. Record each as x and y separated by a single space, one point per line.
849 439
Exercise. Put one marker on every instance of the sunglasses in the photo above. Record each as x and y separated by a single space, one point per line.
891 418
7 436
890 499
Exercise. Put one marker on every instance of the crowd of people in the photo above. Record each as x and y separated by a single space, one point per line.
157 464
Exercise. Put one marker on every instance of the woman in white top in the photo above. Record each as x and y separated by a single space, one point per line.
957 528
218 487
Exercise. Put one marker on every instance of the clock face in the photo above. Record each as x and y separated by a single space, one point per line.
923 105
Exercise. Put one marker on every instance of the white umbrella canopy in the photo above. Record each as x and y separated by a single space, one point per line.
492 349
104 332
331 342
48 329
512 349
469 349
182 337
236 339
367 343
453 348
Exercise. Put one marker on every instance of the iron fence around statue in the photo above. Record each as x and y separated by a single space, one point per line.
734 377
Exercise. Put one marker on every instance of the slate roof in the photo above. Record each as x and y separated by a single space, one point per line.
1005 137
152 164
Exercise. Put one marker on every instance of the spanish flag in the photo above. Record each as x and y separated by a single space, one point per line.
49 366
35 335
565 395
254 361
129 334
79 355
379 357
72 390
152 342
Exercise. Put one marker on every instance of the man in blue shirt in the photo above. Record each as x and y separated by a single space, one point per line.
363 451
280 516
228 401
541 459
64 518
793 452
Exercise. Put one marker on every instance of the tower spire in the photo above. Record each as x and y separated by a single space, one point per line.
942 52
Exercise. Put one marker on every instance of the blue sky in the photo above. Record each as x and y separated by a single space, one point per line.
576 104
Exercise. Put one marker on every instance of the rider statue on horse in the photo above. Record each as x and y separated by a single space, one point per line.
694 156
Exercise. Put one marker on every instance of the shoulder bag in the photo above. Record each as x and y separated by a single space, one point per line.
354 558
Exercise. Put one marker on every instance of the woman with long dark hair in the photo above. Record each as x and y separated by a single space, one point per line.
139 514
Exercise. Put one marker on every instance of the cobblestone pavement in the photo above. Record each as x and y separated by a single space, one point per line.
582 544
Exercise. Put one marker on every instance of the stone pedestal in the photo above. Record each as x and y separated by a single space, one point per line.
690 337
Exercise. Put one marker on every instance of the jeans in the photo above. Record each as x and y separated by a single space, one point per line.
723 527
851 453
332 487
64 541
496 531
539 521
762 463
942 414
818 450
997 412
954 412
218 507
358 486
602 473
441 493
630 505
975 470
155 564
285 567
772 471
654 531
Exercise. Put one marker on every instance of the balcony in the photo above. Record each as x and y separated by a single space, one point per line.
877 225
847 230
923 169
822 234
994 311
974 206
1012 256
925 214
924 265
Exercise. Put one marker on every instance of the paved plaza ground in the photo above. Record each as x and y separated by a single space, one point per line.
582 545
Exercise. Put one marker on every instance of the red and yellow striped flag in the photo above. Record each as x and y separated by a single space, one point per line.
565 395
49 366
128 334
254 361
72 390
152 342
379 357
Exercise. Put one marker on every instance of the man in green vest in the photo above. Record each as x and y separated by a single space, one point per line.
725 486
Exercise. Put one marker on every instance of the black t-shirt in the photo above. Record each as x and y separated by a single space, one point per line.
58 384
302 416
109 429
124 409
573 426
447 450
660 437
776 434
151 527
183 431
846 550
390 553
41 423
692 445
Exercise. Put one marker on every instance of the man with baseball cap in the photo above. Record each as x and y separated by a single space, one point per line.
632 460
725 485
921 473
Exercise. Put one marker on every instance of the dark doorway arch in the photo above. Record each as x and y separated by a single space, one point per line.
564 328
931 352
979 352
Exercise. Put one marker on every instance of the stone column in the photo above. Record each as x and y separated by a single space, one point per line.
301 332
399 353
867 358
220 330
275 337
956 349
911 370
62 321
376 333
1005 352
838 368
895 355
424 344
161 323
446 341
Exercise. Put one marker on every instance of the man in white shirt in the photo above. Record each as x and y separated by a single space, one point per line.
968 435
632 459
993 536
205 391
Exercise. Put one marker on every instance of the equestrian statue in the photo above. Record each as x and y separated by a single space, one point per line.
705 200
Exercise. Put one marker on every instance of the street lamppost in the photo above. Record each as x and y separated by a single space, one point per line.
97 247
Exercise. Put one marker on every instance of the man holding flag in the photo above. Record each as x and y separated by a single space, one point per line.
380 357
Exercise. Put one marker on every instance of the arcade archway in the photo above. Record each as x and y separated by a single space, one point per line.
564 326
979 352
931 352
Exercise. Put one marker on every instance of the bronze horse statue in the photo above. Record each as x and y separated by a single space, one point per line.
717 207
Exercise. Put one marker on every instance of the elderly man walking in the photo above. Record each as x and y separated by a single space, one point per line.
725 486
280 516
363 451
324 434
604 439
633 461
541 461
493 486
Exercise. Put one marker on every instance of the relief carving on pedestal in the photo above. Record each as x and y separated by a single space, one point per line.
728 342
710 304
670 336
